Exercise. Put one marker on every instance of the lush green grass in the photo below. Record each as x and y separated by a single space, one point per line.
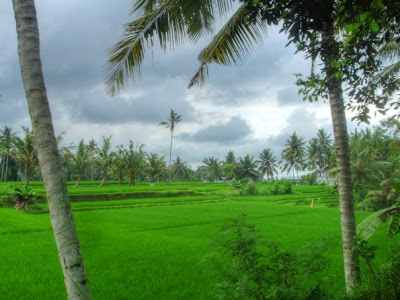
157 251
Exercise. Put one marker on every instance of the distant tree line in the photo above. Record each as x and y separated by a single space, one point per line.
375 162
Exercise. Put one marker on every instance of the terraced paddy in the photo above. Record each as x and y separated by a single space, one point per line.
155 247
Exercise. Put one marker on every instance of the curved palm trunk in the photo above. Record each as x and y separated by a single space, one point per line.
49 159
103 181
348 224
78 181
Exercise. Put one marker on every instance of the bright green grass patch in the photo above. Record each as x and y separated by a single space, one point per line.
155 252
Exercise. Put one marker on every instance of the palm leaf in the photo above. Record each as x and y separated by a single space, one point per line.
368 227
169 22
235 39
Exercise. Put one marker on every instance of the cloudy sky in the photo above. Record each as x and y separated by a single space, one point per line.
244 109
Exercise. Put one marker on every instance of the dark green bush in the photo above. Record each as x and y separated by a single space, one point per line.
251 269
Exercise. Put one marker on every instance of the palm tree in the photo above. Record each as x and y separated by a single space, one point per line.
25 153
293 154
171 123
267 163
247 168
179 168
80 159
135 161
67 242
93 148
230 158
155 166
211 169
325 148
119 163
105 157
313 154
310 26
6 139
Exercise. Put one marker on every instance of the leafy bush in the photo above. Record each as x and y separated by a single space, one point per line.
251 189
251 269
310 179
383 284
288 188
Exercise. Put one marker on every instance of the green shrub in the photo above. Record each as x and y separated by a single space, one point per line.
288 188
251 269
251 189
383 284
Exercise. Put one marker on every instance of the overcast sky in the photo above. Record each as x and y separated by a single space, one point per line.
244 109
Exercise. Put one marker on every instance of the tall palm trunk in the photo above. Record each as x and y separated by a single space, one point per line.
27 176
348 224
49 159
6 173
2 167
170 156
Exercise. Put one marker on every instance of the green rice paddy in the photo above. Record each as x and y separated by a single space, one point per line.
155 247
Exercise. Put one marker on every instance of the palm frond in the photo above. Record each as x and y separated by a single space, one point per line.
169 22
235 39
368 227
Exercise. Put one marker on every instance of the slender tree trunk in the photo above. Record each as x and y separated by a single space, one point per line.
27 176
5 176
120 177
92 172
49 159
348 224
170 156
132 179
78 181
2 168
103 181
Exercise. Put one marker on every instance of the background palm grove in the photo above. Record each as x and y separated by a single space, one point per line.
239 140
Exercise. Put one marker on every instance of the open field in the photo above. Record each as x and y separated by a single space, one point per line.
154 248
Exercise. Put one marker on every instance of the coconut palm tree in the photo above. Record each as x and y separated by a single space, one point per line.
135 161
119 163
67 242
80 159
313 152
25 153
325 145
211 169
173 119
267 163
247 168
6 139
311 26
105 157
93 148
179 168
293 154
155 166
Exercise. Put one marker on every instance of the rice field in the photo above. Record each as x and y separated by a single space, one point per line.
155 247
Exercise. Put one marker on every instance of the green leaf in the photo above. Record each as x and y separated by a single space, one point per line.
365 16
374 27
255 2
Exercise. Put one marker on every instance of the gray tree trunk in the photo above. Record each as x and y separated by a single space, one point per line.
170 156
348 223
49 159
